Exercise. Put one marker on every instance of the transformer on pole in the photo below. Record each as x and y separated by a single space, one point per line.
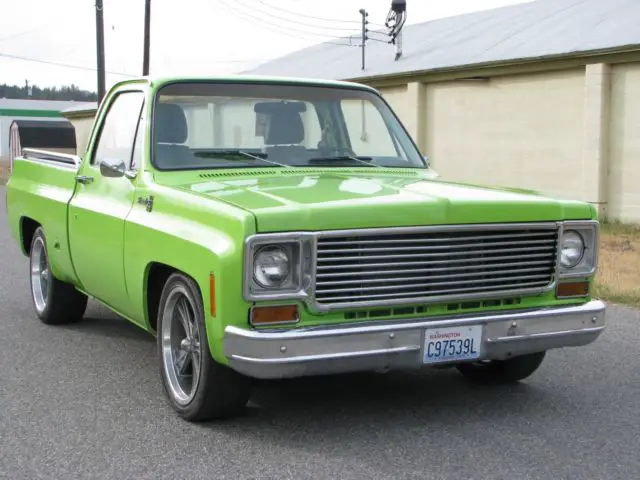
395 21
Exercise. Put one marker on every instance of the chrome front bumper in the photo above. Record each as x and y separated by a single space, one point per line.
392 345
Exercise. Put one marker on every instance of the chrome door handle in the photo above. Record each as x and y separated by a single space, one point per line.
84 179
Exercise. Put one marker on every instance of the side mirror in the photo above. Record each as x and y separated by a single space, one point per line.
112 168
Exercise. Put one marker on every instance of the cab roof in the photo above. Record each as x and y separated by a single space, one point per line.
158 81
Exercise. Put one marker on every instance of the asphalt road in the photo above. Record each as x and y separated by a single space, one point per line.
85 402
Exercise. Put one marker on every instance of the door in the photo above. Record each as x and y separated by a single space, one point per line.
100 205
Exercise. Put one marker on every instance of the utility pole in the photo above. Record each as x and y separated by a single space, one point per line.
100 49
364 14
147 37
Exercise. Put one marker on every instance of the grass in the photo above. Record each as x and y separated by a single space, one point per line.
618 277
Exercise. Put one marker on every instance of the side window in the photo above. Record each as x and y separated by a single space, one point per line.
119 128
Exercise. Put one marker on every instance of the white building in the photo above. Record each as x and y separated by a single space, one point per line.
82 116
542 95
41 110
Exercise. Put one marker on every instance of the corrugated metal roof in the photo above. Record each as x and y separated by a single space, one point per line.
85 107
541 28
49 124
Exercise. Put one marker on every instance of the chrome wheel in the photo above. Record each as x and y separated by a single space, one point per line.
181 348
40 274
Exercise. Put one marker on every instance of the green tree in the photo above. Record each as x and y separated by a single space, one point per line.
66 93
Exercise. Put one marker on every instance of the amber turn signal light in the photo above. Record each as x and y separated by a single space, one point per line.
212 294
573 289
274 315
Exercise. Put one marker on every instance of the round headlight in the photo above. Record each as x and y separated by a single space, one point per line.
572 249
271 266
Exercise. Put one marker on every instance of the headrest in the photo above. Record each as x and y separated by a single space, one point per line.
285 128
271 107
170 123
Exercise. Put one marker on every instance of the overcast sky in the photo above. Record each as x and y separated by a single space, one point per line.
204 37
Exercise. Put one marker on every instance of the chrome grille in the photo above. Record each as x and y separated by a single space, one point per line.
401 266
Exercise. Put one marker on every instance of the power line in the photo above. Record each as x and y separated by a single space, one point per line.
282 29
297 22
286 28
378 40
44 26
79 67
376 32
311 17
57 64
306 16
25 32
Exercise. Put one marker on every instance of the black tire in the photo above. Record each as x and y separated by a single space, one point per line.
502 371
58 302
220 391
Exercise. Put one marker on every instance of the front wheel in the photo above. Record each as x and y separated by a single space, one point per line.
55 302
197 387
502 371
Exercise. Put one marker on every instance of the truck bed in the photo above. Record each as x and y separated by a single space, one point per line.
38 192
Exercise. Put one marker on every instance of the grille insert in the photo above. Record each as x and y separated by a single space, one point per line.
400 267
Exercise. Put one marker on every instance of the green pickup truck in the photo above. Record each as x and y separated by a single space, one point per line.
268 228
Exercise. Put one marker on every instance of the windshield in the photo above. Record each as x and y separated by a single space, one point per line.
215 125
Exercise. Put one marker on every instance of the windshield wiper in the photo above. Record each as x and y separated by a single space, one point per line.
222 154
341 158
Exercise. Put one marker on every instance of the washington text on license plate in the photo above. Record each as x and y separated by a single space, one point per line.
452 344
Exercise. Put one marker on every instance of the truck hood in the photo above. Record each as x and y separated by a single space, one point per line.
329 200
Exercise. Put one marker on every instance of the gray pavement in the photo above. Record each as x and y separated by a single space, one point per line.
85 401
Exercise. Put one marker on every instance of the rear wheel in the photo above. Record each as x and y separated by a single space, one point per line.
502 371
198 387
55 302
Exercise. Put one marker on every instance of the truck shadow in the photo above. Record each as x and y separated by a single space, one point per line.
115 327
397 415
349 405
99 321
444 388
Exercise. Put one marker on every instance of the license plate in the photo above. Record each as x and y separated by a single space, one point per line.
452 344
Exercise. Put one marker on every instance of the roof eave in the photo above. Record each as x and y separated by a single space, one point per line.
585 54
79 113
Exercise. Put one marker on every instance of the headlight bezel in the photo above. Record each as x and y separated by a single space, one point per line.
299 251
589 232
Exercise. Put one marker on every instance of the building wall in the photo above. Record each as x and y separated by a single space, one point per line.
25 109
397 98
509 130
83 127
5 126
572 133
624 148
